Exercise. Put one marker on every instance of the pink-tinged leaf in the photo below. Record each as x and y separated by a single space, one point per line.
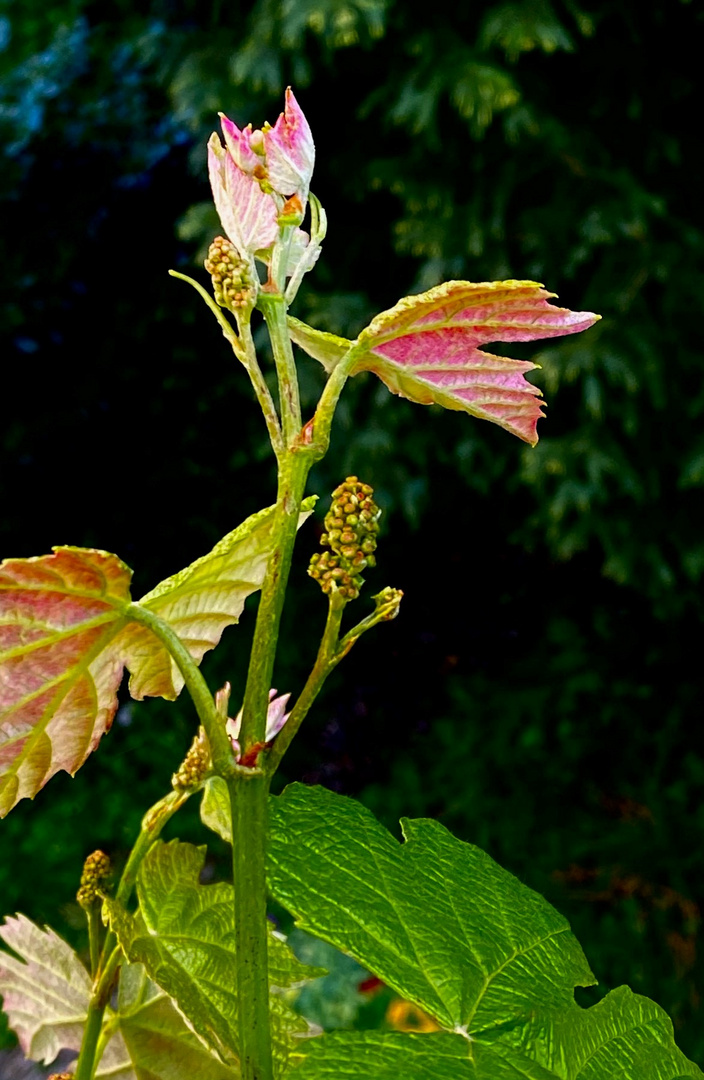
276 717
249 216
428 348
238 143
45 994
68 629
290 152
59 669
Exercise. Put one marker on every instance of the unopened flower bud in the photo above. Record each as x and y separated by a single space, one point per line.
61 1076
351 527
96 870
233 284
195 765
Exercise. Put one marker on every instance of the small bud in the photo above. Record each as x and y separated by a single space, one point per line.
195 765
61 1076
233 285
96 870
351 527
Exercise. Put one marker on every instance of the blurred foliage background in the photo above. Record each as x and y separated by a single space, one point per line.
540 692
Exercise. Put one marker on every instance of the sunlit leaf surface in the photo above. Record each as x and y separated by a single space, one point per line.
183 933
447 928
67 632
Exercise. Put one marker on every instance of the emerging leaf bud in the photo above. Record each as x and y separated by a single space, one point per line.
96 870
195 765
233 282
351 528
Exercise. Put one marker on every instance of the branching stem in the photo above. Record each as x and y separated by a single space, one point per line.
220 746
111 957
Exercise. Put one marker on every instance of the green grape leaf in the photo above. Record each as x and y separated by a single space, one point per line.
437 919
46 996
447 928
157 1042
624 1035
183 933
215 808
377 1055
327 348
428 348
67 631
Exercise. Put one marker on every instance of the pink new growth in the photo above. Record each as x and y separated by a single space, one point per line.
256 172
290 152
249 215
428 348
276 717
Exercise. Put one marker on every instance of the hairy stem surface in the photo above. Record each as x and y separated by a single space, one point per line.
248 799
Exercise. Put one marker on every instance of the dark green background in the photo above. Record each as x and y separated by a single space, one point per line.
540 693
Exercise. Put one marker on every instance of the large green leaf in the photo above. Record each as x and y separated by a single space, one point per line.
624 1035
67 632
378 1055
446 927
183 933
46 992
436 919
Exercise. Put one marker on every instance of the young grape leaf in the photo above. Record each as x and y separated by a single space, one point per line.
67 631
215 808
175 909
45 993
428 348
158 1044
447 928
46 996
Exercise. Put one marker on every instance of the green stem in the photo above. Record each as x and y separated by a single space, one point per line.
243 348
92 1045
292 481
94 929
249 788
111 956
332 650
152 823
87 1059
326 660
266 402
220 747
273 307
329 398
248 799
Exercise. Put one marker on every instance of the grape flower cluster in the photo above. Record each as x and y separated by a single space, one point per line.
351 529
96 870
231 275
195 765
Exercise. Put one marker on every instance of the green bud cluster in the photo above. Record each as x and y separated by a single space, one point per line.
96 869
195 765
351 529
232 277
